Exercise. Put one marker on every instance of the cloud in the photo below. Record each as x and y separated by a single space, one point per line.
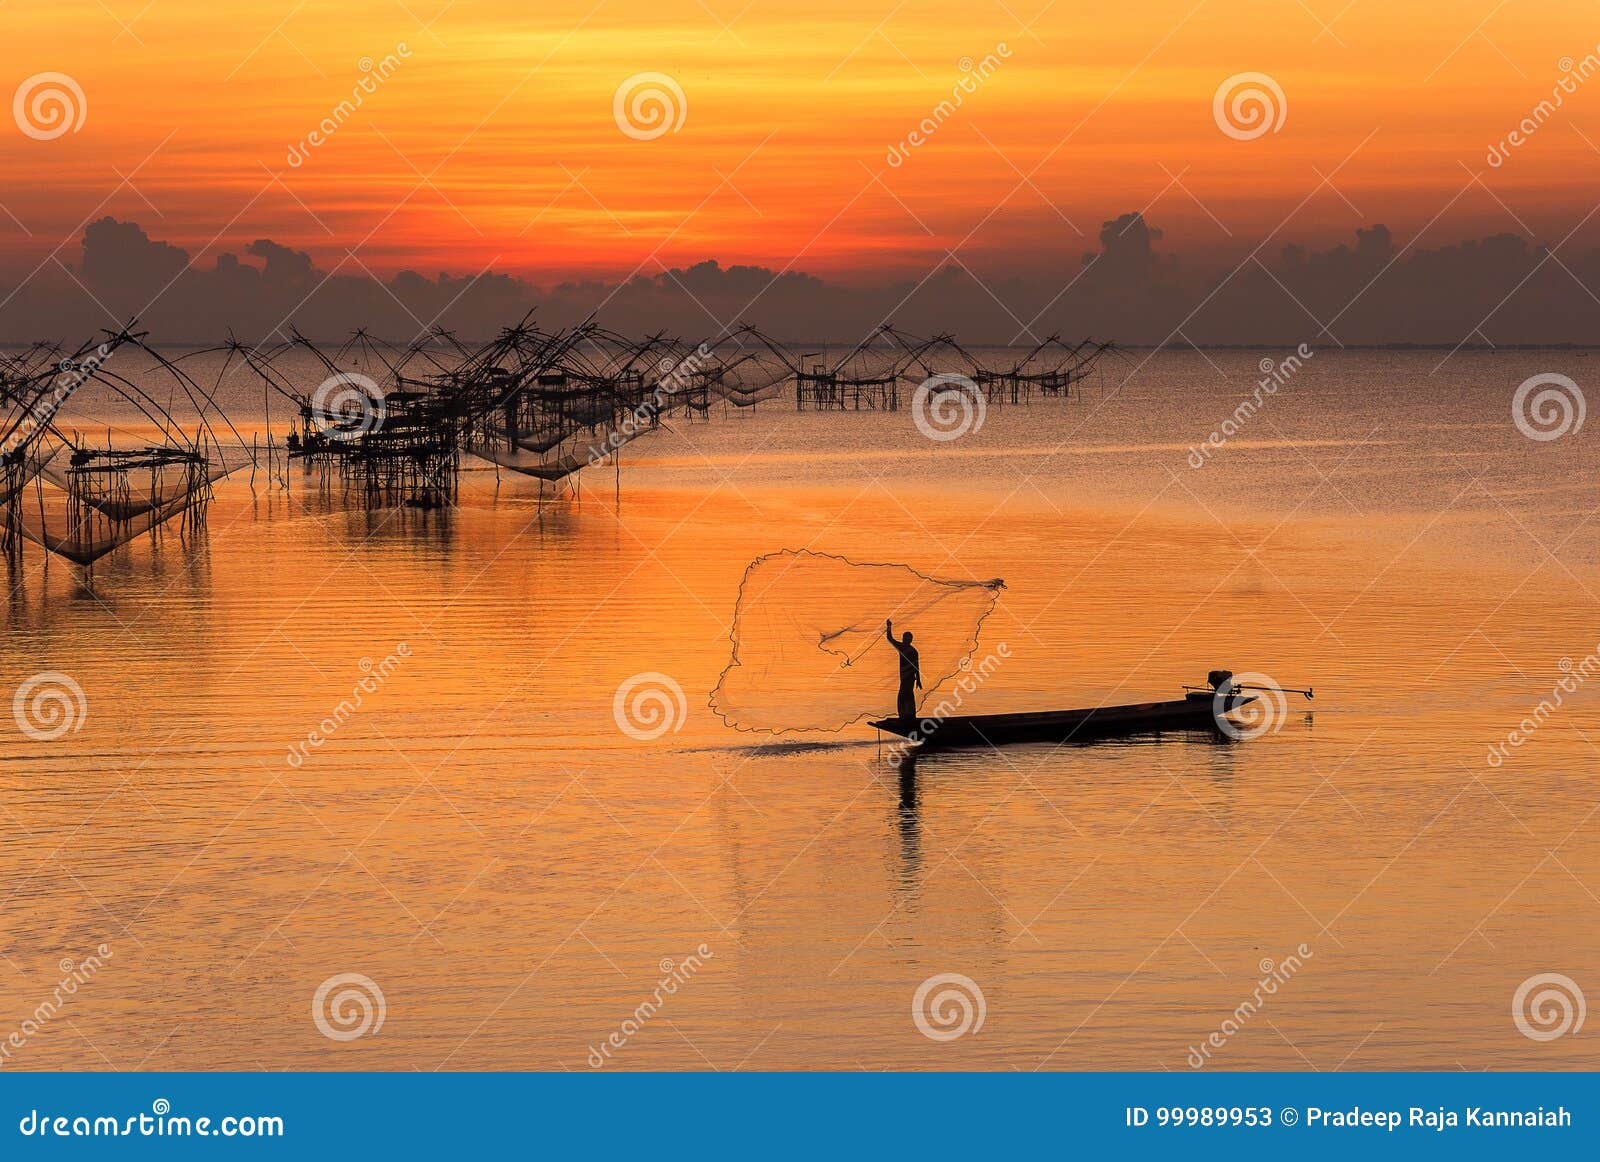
1503 289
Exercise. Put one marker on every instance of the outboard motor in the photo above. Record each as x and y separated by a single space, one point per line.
1220 679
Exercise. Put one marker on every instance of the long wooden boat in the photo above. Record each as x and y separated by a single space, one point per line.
1195 711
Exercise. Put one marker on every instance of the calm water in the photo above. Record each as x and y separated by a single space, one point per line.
512 870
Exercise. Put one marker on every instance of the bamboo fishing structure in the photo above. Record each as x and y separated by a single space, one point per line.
392 424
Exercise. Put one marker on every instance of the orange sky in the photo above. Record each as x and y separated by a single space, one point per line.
494 142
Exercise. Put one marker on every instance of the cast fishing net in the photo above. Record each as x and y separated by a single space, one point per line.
809 650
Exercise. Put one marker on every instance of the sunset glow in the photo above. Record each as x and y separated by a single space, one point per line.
493 142
1044 549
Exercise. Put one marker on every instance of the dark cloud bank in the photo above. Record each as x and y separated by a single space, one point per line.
1503 289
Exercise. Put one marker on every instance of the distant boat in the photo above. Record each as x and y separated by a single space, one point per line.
1196 710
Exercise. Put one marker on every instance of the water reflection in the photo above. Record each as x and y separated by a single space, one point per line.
1100 894
909 821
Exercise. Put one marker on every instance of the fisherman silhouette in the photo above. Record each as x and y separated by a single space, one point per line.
910 672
